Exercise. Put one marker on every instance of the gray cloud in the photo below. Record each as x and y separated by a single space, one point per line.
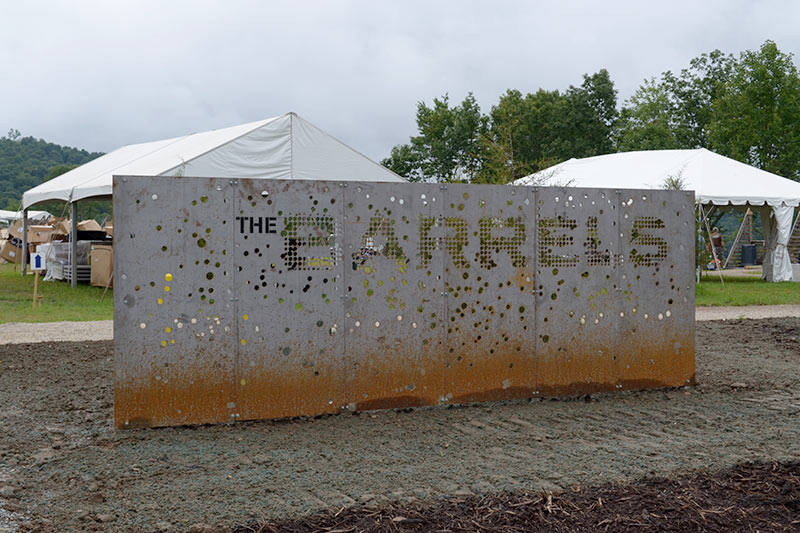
98 75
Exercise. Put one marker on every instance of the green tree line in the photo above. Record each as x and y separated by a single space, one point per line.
25 162
746 108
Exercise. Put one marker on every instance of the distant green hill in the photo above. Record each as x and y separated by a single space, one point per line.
26 162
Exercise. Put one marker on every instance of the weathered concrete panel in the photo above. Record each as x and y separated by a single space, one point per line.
248 299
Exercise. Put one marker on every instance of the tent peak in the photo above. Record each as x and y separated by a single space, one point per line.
275 148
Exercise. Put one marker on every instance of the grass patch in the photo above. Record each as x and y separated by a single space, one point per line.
61 302
744 290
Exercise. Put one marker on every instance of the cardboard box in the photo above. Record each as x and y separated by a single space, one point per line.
102 265
39 234
109 229
87 230
61 227
15 230
11 251
89 225
60 230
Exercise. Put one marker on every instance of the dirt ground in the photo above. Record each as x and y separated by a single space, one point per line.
748 497
64 468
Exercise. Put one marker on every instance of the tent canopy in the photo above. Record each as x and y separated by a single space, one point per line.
11 216
715 179
284 147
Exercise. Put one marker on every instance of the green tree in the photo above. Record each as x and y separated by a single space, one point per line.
530 133
506 141
591 113
676 110
403 160
25 163
448 145
525 134
693 94
756 117
57 170
647 122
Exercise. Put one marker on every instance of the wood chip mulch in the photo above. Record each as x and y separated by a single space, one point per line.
748 497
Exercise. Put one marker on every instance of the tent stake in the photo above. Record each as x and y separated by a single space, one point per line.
711 243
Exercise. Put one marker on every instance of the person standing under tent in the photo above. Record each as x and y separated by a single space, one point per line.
719 245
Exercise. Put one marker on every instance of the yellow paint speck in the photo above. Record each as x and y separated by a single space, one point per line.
168 277
172 341
167 329
245 317
160 301
163 343
243 341
243 382
166 288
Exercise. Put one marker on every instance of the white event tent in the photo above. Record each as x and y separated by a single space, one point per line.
283 147
9 217
715 179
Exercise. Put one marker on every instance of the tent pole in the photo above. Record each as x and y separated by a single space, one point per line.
24 255
698 237
698 268
73 243
738 236
711 243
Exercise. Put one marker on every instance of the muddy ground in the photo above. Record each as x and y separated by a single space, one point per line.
64 468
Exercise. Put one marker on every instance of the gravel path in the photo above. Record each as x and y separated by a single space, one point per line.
103 330
19 332
746 311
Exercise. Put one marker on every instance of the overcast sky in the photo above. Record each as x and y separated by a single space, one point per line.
98 75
